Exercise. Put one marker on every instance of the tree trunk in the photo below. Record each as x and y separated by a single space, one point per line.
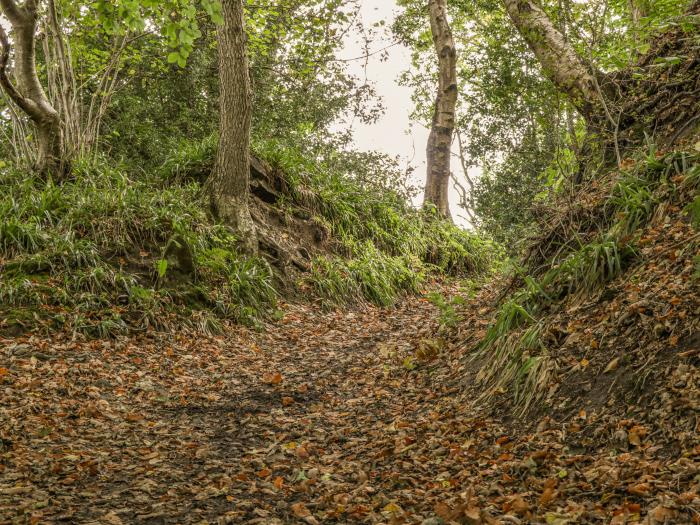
227 187
440 139
561 64
29 95
638 10
621 108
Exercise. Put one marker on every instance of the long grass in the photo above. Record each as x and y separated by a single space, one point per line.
515 358
88 255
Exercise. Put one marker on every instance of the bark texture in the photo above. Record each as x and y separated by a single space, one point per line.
560 62
227 187
440 139
624 107
29 94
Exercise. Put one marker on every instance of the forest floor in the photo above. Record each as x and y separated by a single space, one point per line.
323 417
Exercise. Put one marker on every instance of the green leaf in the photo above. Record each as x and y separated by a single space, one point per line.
162 267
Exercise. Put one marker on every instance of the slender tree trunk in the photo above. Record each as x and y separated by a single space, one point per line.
562 65
440 139
29 94
227 187
638 10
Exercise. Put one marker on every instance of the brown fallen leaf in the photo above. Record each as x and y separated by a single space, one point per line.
661 514
519 505
300 510
272 379
639 489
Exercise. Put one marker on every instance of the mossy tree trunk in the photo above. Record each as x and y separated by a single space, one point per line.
560 61
440 139
228 186
29 95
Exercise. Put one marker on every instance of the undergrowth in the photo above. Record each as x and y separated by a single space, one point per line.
383 247
115 250
105 254
513 351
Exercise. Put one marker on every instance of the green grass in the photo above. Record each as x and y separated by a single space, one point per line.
94 254
369 275
115 250
383 246
515 358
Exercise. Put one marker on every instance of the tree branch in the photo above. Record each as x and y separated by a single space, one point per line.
11 10
26 105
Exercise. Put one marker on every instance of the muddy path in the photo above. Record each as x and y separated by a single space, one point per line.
289 424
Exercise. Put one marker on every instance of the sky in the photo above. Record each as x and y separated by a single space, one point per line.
393 134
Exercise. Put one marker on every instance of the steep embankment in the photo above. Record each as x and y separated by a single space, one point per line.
113 251
590 356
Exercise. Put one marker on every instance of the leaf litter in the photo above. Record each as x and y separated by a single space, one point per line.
318 419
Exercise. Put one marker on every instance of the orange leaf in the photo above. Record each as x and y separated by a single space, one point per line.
279 481
519 505
443 511
286 401
547 497
3 371
273 379
300 510
264 473
640 489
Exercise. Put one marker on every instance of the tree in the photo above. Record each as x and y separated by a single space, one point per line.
29 95
440 139
638 9
625 105
227 187
560 61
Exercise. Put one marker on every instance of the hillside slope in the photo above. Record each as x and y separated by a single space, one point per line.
112 250
589 358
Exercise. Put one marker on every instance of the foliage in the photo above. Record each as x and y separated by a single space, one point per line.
516 358
105 253
448 306
512 122
362 198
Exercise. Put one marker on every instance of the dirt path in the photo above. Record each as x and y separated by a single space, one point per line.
318 419
299 423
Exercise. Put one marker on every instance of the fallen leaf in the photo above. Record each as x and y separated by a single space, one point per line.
612 365
300 510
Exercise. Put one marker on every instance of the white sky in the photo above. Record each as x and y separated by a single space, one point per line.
393 134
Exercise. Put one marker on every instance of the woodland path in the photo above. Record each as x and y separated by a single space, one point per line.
315 419
319 418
